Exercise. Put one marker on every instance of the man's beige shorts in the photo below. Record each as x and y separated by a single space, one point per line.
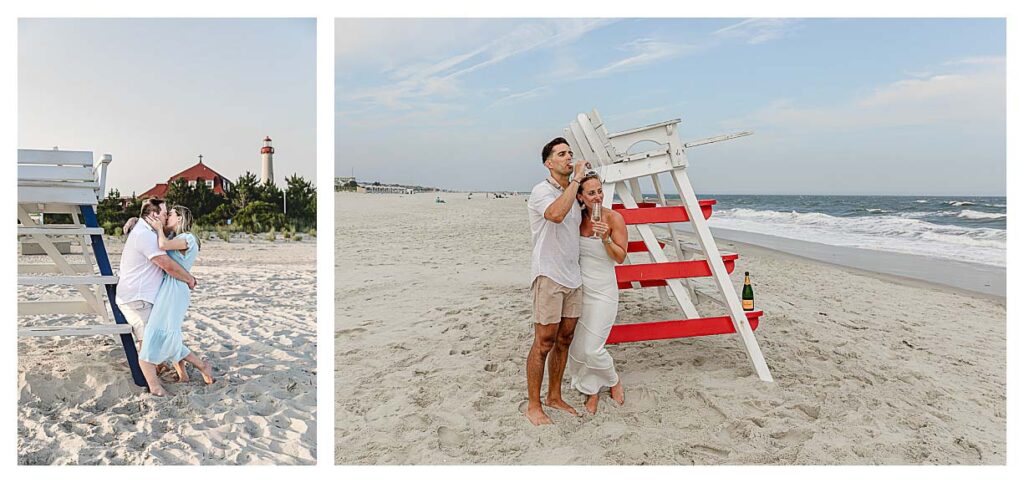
137 313
552 302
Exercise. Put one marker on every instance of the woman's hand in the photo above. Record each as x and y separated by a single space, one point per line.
601 229
128 225
156 221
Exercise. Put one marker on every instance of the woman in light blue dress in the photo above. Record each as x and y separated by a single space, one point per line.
162 341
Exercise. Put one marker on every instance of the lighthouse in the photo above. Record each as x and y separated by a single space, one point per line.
267 154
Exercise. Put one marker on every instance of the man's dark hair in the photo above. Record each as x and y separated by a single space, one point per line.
150 205
544 153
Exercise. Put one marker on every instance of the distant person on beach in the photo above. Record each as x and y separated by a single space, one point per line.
555 268
602 245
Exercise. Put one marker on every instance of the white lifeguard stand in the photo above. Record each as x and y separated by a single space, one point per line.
621 173
67 182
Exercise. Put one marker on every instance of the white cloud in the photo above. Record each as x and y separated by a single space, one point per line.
758 30
522 96
642 52
978 60
978 96
416 83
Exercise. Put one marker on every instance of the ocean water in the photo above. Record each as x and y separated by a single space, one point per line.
962 228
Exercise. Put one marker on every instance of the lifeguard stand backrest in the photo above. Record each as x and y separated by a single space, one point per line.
60 177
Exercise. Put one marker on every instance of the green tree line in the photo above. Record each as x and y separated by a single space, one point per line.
249 206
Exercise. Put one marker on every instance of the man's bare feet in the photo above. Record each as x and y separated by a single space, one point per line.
207 371
560 404
536 415
591 403
618 393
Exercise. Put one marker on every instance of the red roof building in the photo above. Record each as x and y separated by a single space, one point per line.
199 173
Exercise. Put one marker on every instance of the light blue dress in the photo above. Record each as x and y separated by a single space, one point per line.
162 340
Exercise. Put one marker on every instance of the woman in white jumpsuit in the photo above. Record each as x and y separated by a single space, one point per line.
602 245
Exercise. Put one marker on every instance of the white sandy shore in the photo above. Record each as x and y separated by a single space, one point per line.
253 315
433 326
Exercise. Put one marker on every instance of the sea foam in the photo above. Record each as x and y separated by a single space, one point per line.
901 234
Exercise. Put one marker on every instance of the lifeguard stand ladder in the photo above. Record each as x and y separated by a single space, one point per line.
621 173
66 182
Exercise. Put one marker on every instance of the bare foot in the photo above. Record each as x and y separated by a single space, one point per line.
591 403
179 367
618 393
536 416
207 371
158 391
560 404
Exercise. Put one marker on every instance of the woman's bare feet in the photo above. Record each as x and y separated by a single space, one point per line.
618 393
591 403
179 367
207 371
158 391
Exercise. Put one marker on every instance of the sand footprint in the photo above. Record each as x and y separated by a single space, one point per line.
643 399
448 439
710 450
795 435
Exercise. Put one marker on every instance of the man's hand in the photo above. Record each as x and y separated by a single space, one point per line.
580 169
173 269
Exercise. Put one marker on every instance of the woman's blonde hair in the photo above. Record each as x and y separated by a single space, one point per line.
185 221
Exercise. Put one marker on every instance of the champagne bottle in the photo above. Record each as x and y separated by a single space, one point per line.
748 293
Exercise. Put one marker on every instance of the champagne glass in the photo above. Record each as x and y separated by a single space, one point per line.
595 216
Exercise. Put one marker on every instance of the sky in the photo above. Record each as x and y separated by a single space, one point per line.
837 106
156 93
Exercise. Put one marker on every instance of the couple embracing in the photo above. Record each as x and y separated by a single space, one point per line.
575 293
154 289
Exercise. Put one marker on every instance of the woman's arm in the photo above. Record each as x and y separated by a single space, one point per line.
617 240
162 241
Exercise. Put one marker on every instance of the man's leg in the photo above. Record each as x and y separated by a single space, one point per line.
556 365
543 340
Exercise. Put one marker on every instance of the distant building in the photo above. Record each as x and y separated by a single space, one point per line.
198 173
370 188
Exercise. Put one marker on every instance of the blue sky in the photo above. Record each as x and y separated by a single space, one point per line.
155 93
838 106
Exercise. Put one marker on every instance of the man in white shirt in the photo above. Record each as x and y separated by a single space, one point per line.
142 269
555 218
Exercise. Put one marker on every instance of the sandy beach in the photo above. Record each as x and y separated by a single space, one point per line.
433 324
253 315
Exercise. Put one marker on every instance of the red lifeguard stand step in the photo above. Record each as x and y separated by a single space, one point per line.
675 329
